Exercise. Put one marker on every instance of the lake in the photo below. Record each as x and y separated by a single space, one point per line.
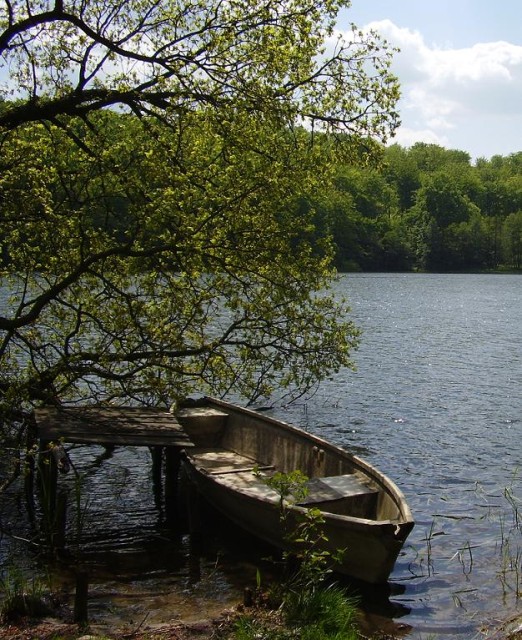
435 403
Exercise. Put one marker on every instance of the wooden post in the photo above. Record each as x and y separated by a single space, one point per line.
30 453
194 560
60 524
157 459
193 503
47 481
172 464
81 597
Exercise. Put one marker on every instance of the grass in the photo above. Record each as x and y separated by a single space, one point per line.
22 596
326 613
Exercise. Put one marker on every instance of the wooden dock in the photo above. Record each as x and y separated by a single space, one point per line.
157 429
131 426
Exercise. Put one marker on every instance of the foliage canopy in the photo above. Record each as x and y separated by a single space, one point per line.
154 155
425 208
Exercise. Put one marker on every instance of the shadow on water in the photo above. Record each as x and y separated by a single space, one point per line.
141 568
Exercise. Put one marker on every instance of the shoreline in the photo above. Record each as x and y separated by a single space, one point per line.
53 628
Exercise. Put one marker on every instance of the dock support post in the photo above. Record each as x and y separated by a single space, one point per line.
172 464
30 453
157 460
193 502
60 523
81 598
47 483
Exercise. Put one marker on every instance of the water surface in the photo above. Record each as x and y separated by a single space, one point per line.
435 403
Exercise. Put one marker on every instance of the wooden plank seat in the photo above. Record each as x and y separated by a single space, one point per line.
344 495
235 471
219 461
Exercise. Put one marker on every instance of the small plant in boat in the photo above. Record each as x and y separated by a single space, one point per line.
307 561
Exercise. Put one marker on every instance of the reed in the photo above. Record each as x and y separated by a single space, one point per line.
21 596
510 573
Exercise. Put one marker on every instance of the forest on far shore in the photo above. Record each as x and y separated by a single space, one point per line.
422 208
426 209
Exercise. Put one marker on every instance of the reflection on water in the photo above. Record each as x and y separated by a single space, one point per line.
435 403
143 571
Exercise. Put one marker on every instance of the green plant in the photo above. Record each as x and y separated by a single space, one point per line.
23 596
510 548
307 558
327 611
247 629
291 487
312 610
307 540
325 614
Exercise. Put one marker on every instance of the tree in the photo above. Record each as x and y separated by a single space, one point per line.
432 157
467 244
153 155
402 172
512 240
441 204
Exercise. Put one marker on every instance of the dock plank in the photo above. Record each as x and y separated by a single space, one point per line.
138 426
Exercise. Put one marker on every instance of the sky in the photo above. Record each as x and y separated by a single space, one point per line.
460 69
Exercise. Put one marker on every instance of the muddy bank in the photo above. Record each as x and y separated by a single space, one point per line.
219 628
52 628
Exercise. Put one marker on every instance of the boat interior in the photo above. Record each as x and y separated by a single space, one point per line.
345 494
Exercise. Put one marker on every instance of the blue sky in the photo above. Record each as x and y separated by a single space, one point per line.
460 68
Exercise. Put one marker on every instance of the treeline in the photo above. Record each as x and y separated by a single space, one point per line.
427 209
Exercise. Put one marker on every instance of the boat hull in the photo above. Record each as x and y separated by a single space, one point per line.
370 545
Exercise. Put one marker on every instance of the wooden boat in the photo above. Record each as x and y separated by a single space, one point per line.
364 512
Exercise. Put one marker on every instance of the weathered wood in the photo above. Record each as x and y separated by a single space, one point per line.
60 524
30 453
204 425
47 481
157 461
193 506
108 426
136 426
172 464
364 512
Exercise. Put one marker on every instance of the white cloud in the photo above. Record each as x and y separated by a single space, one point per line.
406 137
448 89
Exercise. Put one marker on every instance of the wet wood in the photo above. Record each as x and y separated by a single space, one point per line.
172 465
157 463
31 452
60 521
47 486
108 426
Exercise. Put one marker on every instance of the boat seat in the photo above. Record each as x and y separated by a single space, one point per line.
219 461
249 484
344 495
235 471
